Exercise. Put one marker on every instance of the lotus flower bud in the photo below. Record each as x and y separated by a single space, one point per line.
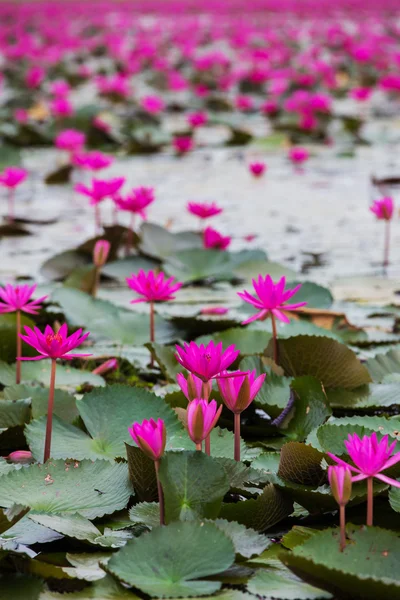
202 417
193 387
150 436
101 252
340 481
105 367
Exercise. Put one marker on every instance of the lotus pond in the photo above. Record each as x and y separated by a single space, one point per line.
199 300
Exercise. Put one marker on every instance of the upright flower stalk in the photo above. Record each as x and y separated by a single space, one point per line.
370 457
54 345
270 300
152 288
151 437
135 203
238 392
383 209
11 178
19 299
339 477
100 254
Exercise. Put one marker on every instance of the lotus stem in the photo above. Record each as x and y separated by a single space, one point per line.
129 236
386 251
49 424
97 218
275 339
160 493
207 445
198 447
152 332
342 513
19 349
96 281
370 501
11 196
236 421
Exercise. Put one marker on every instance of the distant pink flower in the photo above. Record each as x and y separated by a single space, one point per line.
19 297
92 161
239 391
21 115
206 362
150 437
390 82
34 77
204 210
361 94
213 239
244 103
60 88
71 140
100 189
197 119
12 177
136 201
383 208
101 251
20 457
214 310
250 237
152 104
202 416
257 168
152 287
271 299
193 387
53 344
370 457
270 107
298 155
109 365
61 107
183 144
114 85
100 124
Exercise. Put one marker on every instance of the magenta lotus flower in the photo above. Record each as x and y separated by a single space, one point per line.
152 104
271 299
61 107
214 310
20 457
70 140
136 201
115 86
370 458
92 161
183 144
52 344
361 94
239 389
204 210
257 168
383 209
197 119
193 387
12 177
60 88
152 287
298 155
206 362
35 76
213 239
19 298
100 189
150 436
202 416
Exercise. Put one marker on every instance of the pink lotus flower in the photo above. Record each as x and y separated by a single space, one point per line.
53 344
61 107
202 416
214 310
152 104
361 94
339 477
271 298
150 436
204 210
114 85
257 168
136 201
298 155
197 119
213 239
19 297
370 457
244 103
71 140
383 208
153 288
12 177
206 362
21 115
100 189
270 107
60 88
193 387
239 390
92 161
183 144
101 251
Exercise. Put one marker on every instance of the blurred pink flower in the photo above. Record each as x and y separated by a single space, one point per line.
136 201
92 161
204 210
257 168
152 104
193 387
71 140
12 177
239 390
53 344
183 144
19 297
213 239
152 287
197 119
214 310
100 189
298 155
383 209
